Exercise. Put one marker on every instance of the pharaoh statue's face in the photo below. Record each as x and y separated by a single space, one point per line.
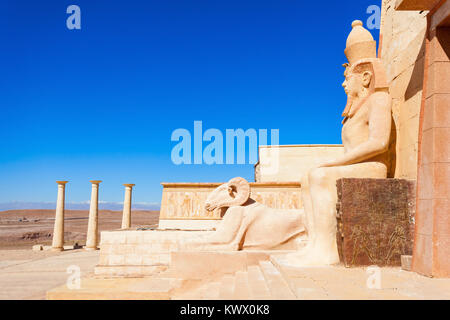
356 83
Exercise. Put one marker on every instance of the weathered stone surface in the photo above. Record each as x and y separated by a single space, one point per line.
375 221
186 201
291 162
406 262
402 50
38 247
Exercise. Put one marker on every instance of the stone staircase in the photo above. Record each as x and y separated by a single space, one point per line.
259 282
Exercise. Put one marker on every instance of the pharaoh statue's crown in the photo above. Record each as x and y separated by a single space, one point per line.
360 44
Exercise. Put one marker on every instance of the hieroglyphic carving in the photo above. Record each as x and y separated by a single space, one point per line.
375 221
186 201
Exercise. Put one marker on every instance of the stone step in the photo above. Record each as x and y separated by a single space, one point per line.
257 284
226 288
128 271
206 291
278 287
118 289
198 265
213 291
241 287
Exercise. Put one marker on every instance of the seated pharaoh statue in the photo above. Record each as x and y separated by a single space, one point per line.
365 135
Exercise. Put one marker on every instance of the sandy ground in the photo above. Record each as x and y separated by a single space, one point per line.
24 228
25 274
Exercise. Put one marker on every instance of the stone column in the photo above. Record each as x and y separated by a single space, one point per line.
58 231
126 218
92 233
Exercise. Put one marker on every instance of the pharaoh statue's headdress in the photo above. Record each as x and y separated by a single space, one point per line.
361 52
360 44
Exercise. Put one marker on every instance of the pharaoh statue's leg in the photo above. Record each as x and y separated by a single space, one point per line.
322 249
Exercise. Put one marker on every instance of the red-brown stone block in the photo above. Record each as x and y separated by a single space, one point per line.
375 221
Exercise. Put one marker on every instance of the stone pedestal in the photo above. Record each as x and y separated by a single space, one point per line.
126 218
92 233
58 231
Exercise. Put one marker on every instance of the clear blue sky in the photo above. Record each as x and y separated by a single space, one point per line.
102 102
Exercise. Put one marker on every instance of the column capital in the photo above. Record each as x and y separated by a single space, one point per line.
129 185
62 182
95 181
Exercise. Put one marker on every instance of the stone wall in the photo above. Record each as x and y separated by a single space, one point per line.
291 162
182 205
402 39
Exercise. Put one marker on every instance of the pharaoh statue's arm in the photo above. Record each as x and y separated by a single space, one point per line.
379 133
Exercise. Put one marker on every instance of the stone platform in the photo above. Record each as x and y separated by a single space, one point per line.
144 253
147 265
143 265
186 272
138 253
261 280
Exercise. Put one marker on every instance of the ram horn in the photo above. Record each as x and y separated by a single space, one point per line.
241 187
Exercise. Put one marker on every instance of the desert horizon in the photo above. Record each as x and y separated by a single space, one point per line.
21 228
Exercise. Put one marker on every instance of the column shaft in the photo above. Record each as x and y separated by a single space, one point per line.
126 217
92 233
58 230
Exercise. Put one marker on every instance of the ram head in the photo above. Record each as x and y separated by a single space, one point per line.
235 192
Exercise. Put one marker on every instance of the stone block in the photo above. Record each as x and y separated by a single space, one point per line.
439 46
37 247
150 259
118 260
441 188
441 144
133 260
424 262
406 262
442 256
426 178
441 209
127 271
407 161
375 221
438 78
411 106
201 265
408 132
118 289
437 112
424 221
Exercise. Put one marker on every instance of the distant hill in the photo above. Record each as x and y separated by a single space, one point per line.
103 205
25 227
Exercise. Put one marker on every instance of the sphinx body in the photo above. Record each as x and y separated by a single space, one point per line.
248 224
